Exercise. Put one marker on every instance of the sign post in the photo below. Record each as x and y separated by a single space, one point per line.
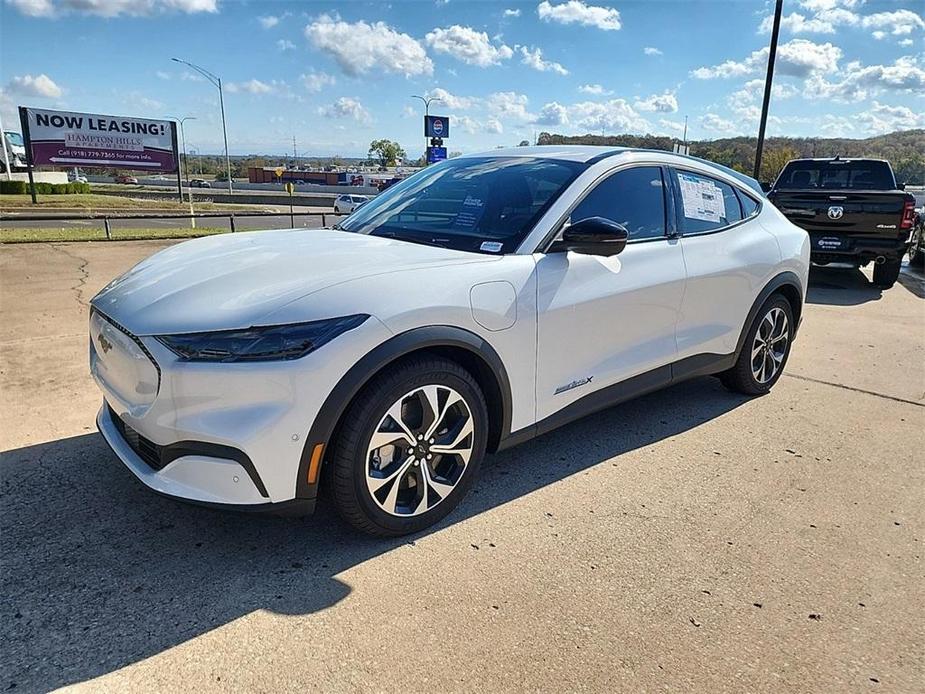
27 141
289 189
436 128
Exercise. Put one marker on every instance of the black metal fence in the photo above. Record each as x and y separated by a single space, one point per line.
10 221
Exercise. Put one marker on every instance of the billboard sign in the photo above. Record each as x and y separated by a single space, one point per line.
436 126
435 154
65 138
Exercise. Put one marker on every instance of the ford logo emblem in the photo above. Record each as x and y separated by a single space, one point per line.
836 212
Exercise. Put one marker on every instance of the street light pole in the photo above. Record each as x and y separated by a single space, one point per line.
427 102
189 189
216 82
775 31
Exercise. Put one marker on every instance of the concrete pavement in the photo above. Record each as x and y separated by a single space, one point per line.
691 540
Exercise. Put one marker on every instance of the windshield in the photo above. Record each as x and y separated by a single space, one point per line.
836 174
479 204
15 139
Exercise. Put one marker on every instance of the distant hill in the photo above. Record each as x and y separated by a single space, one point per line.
904 149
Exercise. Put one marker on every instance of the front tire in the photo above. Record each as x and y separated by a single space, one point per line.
765 352
336 209
916 245
886 274
409 447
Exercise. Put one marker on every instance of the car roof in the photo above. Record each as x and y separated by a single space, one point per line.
589 154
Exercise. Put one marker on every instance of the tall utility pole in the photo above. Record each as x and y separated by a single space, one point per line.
295 157
216 82
775 31
427 102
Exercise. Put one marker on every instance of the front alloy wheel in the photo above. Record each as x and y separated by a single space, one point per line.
408 447
419 451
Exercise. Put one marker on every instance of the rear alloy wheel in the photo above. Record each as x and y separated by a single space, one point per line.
410 447
764 354
886 274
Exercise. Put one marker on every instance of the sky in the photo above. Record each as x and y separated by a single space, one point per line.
337 75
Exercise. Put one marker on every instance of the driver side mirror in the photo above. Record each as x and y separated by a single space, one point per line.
592 236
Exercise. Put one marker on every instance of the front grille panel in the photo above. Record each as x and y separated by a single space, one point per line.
146 449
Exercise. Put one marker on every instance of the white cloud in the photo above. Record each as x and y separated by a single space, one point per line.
714 123
754 89
553 113
660 103
361 47
879 35
834 125
253 86
615 115
823 22
468 45
268 22
577 12
672 125
111 8
512 13
452 101
798 58
535 60
881 118
467 124
285 45
346 108
316 81
509 105
651 50
595 89
41 86
905 43
898 22
161 75
858 81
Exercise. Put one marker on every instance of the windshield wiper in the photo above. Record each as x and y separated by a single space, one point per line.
411 239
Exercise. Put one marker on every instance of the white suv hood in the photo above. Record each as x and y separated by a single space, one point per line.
232 281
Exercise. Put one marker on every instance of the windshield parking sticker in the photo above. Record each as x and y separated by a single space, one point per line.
491 246
702 199
472 210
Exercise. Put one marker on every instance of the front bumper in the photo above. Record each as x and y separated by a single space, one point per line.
229 435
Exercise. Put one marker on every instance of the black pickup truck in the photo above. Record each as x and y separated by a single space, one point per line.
853 210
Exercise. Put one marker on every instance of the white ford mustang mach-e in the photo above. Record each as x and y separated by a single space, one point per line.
481 302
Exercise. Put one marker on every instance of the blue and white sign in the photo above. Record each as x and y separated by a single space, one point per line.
436 126
435 154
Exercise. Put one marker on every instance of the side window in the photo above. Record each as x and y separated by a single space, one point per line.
704 203
749 206
632 197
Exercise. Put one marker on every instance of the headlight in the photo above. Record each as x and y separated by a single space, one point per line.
269 343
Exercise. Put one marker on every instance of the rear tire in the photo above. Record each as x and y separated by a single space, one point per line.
916 244
430 421
886 274
764 354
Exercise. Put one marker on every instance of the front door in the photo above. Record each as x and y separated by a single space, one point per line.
603 320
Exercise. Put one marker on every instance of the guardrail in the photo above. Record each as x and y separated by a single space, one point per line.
108 219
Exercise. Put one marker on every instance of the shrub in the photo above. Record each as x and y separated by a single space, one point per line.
22 188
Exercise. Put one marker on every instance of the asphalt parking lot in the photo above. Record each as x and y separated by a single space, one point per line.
692 540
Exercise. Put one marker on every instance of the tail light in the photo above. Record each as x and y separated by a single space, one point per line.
908 215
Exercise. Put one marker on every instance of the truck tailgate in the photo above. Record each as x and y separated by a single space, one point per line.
843 213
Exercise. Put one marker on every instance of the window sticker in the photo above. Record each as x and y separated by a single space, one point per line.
491 246
702 199
471 213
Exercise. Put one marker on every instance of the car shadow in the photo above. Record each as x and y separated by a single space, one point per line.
840 286
99 573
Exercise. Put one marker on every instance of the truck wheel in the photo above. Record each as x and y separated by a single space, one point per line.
916 254
764 354
409 448
886 274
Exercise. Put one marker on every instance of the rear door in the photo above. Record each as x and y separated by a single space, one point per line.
603 320
728 256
